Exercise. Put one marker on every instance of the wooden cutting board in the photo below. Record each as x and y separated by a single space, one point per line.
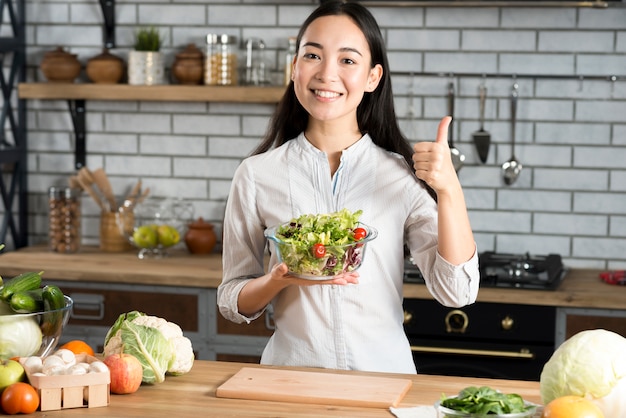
314 388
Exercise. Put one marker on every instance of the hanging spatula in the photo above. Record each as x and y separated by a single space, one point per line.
482 138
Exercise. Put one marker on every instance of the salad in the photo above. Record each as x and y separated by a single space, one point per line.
322 245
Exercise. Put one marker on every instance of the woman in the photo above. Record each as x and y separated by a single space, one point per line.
334 143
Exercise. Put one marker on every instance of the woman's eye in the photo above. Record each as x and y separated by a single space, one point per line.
348 61
311 56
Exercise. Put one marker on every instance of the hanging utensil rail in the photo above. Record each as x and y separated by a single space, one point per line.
579 77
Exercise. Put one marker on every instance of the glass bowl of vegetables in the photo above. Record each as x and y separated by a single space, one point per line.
475 402
32 333
318 247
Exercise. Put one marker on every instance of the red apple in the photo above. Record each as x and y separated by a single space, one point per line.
126 373
10 372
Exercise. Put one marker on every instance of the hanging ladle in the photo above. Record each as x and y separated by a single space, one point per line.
457 157
512 168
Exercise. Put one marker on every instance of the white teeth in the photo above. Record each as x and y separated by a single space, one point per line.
326 94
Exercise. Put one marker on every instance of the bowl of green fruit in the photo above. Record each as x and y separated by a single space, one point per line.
158 226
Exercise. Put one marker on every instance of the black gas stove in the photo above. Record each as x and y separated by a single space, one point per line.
521 271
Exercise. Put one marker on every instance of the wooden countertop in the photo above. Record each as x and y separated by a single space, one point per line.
580 288
193 395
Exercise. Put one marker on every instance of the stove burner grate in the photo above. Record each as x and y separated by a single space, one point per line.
521 271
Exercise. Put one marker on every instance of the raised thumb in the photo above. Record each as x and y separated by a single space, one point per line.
442 130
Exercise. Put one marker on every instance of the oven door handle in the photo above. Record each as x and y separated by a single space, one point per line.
523 353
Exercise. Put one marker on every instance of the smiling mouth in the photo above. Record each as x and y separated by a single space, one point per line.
326 94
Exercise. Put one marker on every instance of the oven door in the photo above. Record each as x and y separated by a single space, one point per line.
481 340
490 360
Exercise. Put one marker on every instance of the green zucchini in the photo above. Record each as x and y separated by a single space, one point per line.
25 281
53 300
26 301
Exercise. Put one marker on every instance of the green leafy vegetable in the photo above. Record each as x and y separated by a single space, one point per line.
485 401
592 364
320 245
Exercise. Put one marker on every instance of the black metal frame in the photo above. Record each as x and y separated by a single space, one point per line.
13 169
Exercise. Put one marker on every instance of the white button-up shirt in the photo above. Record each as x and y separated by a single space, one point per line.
354 327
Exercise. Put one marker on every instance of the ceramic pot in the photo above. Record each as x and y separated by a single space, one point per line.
105 68
145 68
200 237
59 66
188 67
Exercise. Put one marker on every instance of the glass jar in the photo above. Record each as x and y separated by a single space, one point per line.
64 219
256 71
289 56
221 60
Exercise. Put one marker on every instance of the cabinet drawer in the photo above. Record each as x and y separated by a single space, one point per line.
102 307
577 323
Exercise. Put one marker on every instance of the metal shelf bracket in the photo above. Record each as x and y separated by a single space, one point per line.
78 112
108 11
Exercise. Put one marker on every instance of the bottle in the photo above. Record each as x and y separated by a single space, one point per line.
289 56
221 61
64 220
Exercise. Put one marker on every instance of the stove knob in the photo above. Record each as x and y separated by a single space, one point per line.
408 316
507 323
456 321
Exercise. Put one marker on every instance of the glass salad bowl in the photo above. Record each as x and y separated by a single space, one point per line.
31 334
315 261
155 225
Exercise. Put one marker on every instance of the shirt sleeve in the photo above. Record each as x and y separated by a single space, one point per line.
451 285
244 244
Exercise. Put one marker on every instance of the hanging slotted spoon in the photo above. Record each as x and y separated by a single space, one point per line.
512 168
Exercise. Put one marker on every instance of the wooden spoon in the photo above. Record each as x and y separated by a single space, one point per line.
103 183
87 187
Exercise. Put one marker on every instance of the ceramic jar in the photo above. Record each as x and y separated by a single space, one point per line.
188 67
59 66
105 68
200 237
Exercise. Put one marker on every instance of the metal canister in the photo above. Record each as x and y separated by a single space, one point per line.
221 60
64 220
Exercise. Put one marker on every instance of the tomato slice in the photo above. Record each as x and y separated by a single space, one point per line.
359 234
18 398
319 250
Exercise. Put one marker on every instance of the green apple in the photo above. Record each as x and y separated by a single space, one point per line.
11 372
145 236
168 235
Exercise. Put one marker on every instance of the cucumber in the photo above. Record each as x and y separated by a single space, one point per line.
23 282
53 300
27 301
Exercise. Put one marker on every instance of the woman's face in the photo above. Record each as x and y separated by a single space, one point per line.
333 69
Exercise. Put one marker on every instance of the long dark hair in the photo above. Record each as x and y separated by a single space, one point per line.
375 114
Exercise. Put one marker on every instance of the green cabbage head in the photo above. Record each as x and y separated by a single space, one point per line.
591 364
20 335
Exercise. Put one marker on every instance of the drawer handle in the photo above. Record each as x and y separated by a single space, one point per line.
88 302
523 353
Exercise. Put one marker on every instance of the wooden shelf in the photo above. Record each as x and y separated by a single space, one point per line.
125 92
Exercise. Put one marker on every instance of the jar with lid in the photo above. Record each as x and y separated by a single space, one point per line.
200 237
64 220
255 62
221 60
289 56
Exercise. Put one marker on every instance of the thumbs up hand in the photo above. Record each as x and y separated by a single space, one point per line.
432 161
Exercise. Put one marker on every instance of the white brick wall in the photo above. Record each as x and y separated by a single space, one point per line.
571 133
